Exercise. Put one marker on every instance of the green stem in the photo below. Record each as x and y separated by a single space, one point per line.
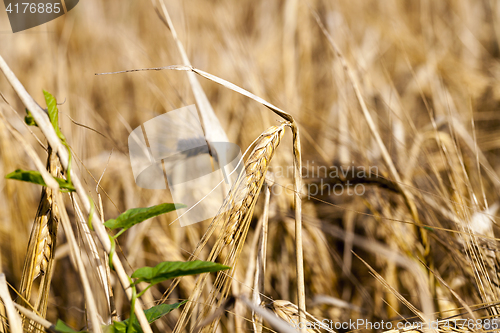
142 292
68 169
119 233
132 306
111 252
91 213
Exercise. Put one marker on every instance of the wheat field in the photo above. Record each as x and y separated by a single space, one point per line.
396 102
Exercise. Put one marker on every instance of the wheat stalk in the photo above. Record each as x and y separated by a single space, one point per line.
40 254
14 319
36 318
260 267
235 216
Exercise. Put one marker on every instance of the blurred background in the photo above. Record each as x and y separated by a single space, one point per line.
428 72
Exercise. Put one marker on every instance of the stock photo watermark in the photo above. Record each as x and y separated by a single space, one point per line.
321 180
171 152
26 14
486 325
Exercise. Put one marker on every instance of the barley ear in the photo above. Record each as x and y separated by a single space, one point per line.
39 259
235 217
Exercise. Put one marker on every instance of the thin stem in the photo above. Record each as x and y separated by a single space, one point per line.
94 253
132 306
36 318
14 319
144 291
89 296
119 233
260 268
297 174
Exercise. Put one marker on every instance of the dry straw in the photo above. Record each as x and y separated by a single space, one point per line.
13 316
260 265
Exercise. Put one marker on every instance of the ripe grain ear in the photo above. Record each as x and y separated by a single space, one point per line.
235 217
40 254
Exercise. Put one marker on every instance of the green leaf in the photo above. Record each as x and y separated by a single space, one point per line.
54 120
172 269
63 328
119 327
136 215
28 119
156 312
35 177
53 113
